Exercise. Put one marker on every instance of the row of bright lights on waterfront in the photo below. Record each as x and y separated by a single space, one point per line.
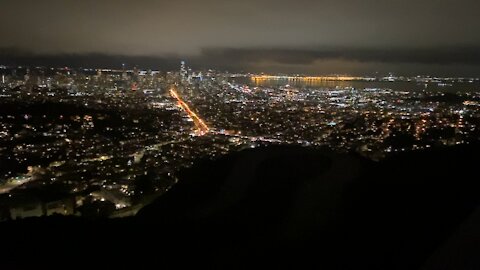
308 78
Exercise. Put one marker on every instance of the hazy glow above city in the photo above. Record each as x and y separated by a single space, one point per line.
312 37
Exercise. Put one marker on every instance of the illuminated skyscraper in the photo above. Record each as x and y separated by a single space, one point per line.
124 73
183 71
26 77
136 73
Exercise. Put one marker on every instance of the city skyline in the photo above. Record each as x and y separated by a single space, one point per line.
329 134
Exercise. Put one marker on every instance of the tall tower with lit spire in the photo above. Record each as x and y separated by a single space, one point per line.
183 71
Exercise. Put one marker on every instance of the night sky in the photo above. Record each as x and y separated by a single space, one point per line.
316 37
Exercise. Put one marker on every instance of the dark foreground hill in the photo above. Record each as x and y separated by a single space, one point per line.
284 207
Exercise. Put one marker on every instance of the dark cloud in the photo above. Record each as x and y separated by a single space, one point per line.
448 61
454 55
248 34
91 60
451 61
148 27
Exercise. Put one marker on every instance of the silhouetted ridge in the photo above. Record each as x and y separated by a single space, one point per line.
293 207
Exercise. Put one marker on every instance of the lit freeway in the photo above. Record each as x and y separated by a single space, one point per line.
202 128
